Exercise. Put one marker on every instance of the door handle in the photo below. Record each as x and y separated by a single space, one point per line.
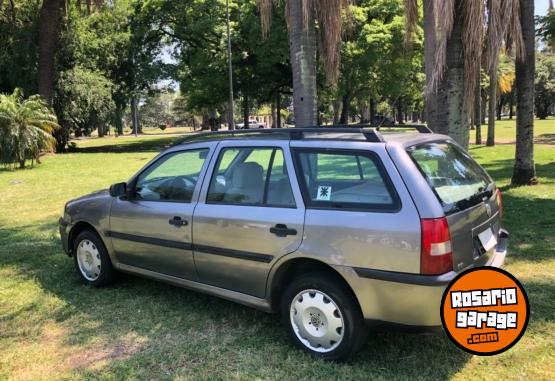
282 230
178 222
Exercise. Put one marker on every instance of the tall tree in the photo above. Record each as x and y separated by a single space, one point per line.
524 170
302 17
429 59
302 37
459 40
49 38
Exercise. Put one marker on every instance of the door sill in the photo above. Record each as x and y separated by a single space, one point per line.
234 296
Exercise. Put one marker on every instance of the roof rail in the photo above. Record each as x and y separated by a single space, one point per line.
370 133
422 128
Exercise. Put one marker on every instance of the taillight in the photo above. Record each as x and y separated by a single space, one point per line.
436 256
500 203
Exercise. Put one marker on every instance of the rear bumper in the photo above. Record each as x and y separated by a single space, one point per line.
407 299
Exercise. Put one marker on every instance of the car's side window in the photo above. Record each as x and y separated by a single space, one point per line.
344 180
251 176
172 178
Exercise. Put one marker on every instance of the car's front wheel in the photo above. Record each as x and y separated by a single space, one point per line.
322 317
92 261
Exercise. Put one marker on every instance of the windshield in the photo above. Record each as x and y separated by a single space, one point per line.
458 181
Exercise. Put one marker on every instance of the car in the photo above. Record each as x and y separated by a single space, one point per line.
253 123
380 120
336 229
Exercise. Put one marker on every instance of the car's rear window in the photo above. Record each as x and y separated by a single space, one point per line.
458 181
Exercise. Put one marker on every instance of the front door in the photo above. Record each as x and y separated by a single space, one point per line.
249 214
152 229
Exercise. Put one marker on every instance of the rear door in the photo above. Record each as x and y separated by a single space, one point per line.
469 199
250 213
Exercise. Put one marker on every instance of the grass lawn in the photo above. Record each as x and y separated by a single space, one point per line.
505 131
52 327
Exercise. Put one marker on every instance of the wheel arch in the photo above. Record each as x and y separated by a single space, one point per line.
294 267
77 229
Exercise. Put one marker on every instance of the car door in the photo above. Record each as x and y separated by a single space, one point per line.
152 228
249 214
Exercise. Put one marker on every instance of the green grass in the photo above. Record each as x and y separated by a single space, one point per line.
52 327
505 131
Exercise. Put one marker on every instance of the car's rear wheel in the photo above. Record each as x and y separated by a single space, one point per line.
322 317
92 261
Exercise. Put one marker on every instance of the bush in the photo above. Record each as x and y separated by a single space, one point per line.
26 127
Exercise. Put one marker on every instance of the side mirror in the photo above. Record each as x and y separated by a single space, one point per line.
118 190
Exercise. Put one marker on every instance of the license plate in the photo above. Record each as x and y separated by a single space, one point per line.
487 239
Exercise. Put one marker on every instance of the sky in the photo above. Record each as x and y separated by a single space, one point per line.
541 7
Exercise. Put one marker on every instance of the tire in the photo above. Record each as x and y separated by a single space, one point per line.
312 306
92 261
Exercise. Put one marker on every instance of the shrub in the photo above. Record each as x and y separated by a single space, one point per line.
26 127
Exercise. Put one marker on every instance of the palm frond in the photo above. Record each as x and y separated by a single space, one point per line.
328 13
513 37
330 21
446 8
473 37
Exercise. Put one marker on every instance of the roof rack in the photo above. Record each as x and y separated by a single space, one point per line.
370 133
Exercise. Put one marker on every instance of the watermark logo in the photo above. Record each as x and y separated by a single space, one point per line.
485 311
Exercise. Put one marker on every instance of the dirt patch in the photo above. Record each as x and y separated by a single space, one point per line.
97 355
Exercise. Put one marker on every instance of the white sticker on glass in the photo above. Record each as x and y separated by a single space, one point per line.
324 193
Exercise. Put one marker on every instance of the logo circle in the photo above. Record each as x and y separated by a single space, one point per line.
485 311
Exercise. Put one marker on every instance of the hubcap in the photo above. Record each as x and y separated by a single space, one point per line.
88 259
317 321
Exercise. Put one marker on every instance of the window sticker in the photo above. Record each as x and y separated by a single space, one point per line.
324 193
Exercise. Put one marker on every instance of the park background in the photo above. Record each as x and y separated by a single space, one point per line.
107 71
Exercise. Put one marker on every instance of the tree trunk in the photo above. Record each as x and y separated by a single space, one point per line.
430 40
336 111
452 117
524 169
492 104
118 119
483 111
134 116
400 117
303 61
478 110
511 105
49 36
500 107
246 111
345 110
278 109
365 113
274 115
372 110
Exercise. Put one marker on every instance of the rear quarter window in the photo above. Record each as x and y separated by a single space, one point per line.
344 179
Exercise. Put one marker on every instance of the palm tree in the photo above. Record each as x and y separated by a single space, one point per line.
26 127
459 30
301 16
524 170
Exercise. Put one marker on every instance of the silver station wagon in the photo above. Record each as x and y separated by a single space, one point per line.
333 228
